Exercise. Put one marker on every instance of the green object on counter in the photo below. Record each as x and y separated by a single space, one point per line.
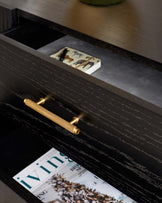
101 2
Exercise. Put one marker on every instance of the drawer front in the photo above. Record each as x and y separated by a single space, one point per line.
120 139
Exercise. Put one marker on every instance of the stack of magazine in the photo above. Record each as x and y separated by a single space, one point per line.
55 178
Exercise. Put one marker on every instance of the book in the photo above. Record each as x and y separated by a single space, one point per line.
54 177
78 60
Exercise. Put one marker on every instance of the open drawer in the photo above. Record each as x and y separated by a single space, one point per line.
120 139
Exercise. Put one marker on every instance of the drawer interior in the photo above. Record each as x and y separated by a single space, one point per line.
19 145
32 34
119 71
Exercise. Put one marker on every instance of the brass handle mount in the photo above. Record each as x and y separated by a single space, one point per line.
53 117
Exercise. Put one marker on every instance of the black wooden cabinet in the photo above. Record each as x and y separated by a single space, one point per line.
120 138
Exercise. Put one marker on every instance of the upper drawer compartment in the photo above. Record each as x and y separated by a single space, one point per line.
32 34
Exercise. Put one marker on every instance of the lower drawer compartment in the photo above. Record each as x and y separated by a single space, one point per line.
27 136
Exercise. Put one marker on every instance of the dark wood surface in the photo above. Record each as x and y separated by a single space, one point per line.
133 25
121 138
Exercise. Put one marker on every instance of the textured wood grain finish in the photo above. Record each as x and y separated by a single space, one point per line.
134 25
122 141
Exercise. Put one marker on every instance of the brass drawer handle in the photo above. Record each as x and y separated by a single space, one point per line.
53 117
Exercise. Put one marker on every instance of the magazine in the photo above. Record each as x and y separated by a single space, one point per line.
78 60
55 178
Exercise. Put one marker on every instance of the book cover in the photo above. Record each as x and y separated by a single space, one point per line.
78 60
55 178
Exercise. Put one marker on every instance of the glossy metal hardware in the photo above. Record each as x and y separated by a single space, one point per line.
53 117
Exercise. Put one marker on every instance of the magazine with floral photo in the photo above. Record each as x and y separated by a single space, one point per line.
55 178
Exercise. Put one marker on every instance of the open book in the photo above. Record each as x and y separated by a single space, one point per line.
55 178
